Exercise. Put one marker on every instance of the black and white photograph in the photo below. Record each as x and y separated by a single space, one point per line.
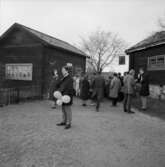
82 83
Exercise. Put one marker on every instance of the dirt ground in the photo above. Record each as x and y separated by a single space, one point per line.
29 137
155 107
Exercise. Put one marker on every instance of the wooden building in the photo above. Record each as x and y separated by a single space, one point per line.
150 54
27 58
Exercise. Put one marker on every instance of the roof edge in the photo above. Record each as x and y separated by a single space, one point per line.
83 54
43 42
127 51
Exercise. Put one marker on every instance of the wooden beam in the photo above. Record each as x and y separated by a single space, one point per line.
21 46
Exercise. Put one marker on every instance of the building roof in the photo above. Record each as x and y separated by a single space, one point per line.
155 39
47 39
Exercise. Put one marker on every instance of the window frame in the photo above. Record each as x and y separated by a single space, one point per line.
124 61
158 65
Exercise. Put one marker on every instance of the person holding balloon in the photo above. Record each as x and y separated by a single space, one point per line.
64 97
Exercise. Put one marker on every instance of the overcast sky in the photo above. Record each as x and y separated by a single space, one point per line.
69 20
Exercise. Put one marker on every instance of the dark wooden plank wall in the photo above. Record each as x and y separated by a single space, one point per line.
32 55
56 58
139 59
22 47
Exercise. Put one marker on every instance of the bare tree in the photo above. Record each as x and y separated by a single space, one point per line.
102 47
161 22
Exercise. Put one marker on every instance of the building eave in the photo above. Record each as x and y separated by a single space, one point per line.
128 51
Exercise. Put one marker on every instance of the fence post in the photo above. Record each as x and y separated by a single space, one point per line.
1 98
17 95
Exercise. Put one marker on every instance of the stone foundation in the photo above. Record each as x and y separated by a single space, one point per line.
157 92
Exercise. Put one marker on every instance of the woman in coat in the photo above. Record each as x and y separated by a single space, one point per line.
66 88
115 87
129 90
84 90
144 91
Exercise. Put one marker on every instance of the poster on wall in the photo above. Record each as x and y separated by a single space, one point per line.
19 71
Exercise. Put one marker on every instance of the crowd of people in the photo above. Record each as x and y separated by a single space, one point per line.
95 87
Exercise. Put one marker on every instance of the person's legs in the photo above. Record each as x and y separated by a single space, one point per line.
144 102
125 102
84 103
115 101
54 103
93 99
97 104
79 92
129 102
68 116
63 117
112 100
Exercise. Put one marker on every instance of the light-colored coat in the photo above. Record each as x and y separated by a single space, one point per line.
129 84
115 87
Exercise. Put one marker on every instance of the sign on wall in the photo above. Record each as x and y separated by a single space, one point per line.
19 71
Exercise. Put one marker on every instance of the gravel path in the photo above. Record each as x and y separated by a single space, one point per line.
29 137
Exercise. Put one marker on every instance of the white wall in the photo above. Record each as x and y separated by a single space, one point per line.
115 67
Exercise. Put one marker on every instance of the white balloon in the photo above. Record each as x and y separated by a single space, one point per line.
66 99
57 94
59 102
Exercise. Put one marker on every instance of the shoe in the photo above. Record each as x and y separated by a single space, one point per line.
67 126
130 112
125 110
84 105
54 107
97 109
61 124
143 109
114 105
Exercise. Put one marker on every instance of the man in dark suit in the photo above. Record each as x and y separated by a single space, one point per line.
98 89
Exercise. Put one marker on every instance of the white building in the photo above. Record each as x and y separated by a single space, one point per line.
119 64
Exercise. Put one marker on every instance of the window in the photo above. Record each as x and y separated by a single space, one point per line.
121 60
160 60
156 62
